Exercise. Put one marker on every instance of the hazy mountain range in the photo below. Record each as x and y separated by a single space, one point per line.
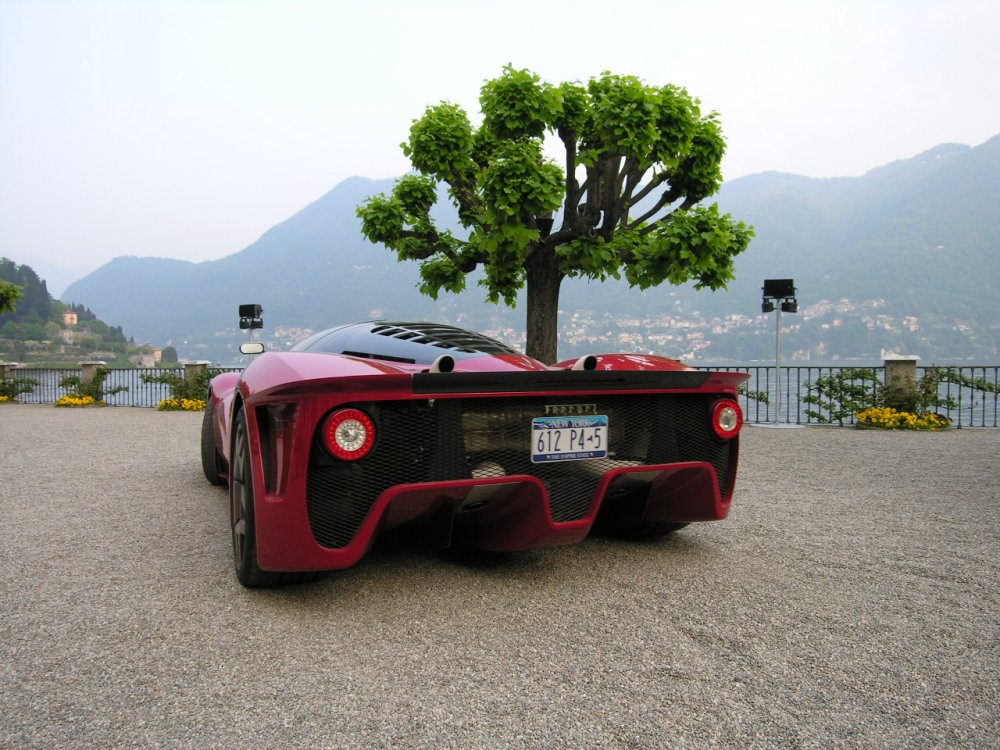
906 256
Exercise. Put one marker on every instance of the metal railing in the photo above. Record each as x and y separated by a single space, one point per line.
974 407
138 393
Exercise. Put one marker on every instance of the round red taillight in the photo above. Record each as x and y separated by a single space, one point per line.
727 418
349 434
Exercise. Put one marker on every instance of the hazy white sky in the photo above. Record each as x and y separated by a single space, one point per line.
186 129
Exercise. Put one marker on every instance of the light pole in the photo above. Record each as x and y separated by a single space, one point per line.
780 294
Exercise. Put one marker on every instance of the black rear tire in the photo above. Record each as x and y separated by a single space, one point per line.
210 463
243 519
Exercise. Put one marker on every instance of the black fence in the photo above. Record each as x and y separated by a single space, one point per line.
138 393
975 407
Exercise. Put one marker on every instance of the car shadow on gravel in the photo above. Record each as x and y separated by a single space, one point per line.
396 557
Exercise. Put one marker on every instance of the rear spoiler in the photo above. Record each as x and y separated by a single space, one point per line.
561 380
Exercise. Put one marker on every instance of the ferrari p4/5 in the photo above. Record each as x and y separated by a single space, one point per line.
453 438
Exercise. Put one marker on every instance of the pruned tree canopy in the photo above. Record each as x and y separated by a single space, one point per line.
638 162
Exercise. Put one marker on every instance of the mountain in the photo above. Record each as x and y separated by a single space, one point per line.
905 256
919 233
916 239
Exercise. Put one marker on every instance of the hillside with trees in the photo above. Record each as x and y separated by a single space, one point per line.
42 330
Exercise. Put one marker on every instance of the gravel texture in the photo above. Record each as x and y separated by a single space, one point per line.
851 600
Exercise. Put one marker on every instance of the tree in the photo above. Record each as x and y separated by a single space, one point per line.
22 283
9 294
638 161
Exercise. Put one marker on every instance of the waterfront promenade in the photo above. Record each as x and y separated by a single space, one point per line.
851 600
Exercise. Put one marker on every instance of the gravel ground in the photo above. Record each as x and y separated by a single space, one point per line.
850 600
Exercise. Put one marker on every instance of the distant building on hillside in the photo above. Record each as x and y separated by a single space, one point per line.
145 360
70 318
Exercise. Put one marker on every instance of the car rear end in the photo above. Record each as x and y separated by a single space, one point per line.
496 460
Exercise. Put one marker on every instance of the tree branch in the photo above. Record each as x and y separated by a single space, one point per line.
651 212
568 137
666 198
627 181
649 187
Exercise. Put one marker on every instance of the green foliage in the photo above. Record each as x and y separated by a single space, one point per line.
846 393
516 186
762 397
519 105
695 245
10 389
21 284
95 388
646 154
183 389
28 331
9 294
843 394
416 195
951 375
623 117
169 355
441 142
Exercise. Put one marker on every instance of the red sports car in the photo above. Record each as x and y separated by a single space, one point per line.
453 438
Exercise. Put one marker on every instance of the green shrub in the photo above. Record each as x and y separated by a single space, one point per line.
849 392
843 394
195 389
11 389
94 389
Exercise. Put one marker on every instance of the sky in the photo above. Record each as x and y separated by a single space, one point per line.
186 129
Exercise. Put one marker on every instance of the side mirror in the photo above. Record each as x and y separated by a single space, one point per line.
252 347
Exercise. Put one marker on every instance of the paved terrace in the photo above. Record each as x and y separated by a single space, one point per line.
851 600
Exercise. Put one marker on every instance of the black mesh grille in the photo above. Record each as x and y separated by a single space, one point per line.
444 439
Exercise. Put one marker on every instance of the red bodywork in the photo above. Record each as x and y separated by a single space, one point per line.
286 396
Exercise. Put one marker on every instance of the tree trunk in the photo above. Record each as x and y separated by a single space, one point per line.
543 281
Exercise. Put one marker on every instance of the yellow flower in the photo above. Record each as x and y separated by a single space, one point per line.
73 399
888 418
182 404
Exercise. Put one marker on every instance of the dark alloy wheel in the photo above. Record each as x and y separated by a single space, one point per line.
210 462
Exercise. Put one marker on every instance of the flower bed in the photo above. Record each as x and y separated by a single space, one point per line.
77 400
182 404
887 418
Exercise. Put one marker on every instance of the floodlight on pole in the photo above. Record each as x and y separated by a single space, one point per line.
779 294
250 319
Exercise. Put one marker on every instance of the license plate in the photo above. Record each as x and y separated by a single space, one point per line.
569 438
